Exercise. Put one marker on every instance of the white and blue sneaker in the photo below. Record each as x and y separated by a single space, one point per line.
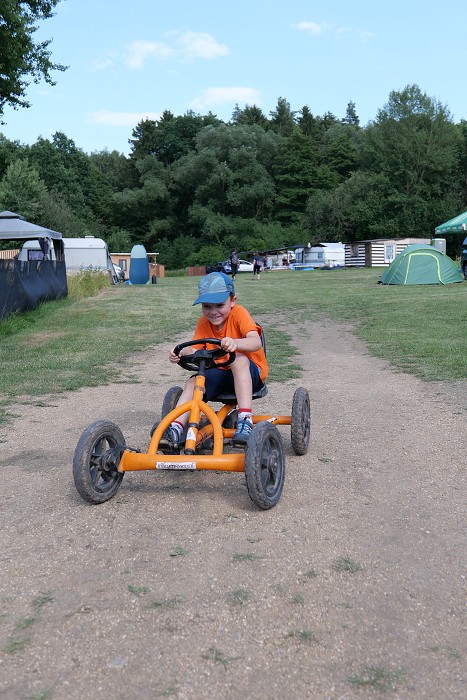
170 441
243 431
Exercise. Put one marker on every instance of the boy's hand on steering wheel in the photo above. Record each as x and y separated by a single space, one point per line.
204 358
174 358
229 344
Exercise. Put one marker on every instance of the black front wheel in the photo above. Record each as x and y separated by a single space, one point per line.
265 465
96 461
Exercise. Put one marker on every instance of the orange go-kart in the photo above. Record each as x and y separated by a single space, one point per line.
102 456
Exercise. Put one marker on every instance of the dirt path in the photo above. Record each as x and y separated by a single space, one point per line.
179 587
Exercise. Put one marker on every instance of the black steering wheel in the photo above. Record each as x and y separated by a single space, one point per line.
203 359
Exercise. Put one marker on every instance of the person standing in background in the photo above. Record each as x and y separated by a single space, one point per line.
234 262
257 264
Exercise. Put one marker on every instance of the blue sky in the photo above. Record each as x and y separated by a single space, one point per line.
130 60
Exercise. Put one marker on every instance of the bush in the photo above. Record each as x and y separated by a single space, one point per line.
86 283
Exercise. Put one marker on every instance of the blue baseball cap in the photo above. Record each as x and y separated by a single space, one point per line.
214 288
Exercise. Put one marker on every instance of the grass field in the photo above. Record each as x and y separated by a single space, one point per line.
86 341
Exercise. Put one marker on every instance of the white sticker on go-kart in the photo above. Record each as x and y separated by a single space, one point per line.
271 420
176 465
190 434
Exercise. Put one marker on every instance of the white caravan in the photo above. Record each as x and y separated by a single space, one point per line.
80 254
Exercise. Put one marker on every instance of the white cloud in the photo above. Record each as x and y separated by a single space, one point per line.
182 45
200 45
121 118
106 61
315 29
139 50
311 27
365 35
102 64
225 95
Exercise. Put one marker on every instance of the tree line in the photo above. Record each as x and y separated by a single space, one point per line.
194 187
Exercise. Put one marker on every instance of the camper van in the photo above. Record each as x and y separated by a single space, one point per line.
80 254
321 255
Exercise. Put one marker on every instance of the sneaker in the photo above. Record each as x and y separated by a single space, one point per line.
243 432
170 441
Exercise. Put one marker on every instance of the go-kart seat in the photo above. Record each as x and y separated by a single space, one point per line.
231 398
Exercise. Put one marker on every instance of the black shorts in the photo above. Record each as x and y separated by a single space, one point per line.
233 268
220 381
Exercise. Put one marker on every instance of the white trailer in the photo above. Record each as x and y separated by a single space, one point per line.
321 255
80 254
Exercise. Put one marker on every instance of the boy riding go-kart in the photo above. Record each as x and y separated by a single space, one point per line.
230 368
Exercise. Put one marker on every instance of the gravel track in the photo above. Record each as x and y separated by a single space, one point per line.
180 587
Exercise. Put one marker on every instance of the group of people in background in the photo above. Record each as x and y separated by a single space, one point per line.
260 263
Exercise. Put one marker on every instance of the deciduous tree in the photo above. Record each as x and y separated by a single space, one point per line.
415 143
168 138
21 189
22 58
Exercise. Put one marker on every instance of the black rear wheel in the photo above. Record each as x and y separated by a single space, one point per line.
170 400
231 419
168 404
301 421
265 465
96 461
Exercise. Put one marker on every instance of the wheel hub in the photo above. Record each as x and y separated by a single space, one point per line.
110 460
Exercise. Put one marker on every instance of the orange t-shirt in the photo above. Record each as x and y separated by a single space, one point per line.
237 325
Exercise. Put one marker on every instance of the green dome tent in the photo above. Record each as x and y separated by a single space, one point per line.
421 264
